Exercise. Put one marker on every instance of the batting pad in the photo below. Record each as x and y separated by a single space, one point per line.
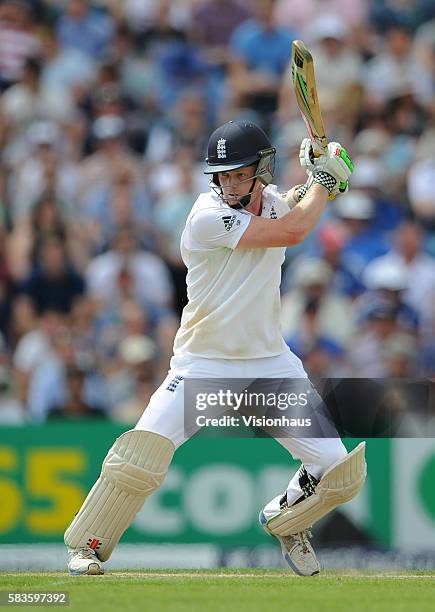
133 469
339 484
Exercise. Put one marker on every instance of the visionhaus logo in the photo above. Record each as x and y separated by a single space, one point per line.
251 421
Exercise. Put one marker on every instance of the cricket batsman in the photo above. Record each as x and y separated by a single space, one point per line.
233 246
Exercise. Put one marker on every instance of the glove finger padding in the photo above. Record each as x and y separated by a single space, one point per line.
306 155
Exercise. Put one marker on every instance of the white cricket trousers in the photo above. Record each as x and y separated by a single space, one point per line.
165 412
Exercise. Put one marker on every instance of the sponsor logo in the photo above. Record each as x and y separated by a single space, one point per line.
94 543
229 221
273 214
221 148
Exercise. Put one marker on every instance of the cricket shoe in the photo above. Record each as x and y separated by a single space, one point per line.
299 554
296 549
84 562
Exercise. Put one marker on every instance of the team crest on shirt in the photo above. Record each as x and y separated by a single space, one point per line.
229 221
221 148
174 383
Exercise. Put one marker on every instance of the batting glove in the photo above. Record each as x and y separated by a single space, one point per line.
335 151
306 155
331 169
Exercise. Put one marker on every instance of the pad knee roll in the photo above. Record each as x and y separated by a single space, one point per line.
133 469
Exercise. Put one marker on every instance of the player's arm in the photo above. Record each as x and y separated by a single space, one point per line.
328 172
289 230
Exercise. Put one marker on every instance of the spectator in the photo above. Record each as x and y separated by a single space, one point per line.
170 216
126 268
109 97
49 387
97 170
187 127
401 351
35 347
424 44
419 187
12 411
28 100
45 220
75 406
356 210
311 311
7 292
408 253
387 281
261 52
214 22
385 14
18 41
124 201
43 171
53 284
332 240
178 61
127 319
384 187
366 352
68 68
325 359
393 69
293 14
338 65
82 28
133 381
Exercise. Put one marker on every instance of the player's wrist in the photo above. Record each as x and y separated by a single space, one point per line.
299 191
326 180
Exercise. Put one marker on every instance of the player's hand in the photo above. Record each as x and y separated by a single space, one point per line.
336 163
333 169
335 160
306 155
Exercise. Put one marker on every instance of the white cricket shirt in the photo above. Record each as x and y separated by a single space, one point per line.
234 300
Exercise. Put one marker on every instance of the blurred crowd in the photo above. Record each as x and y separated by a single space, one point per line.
105 112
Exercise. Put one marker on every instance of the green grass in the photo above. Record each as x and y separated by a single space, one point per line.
234 590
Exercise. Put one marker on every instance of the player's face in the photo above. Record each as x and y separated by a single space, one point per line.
236 183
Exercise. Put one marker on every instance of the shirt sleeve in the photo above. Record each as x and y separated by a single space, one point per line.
218 228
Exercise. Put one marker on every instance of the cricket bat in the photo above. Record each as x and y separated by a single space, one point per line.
305 87
304 83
